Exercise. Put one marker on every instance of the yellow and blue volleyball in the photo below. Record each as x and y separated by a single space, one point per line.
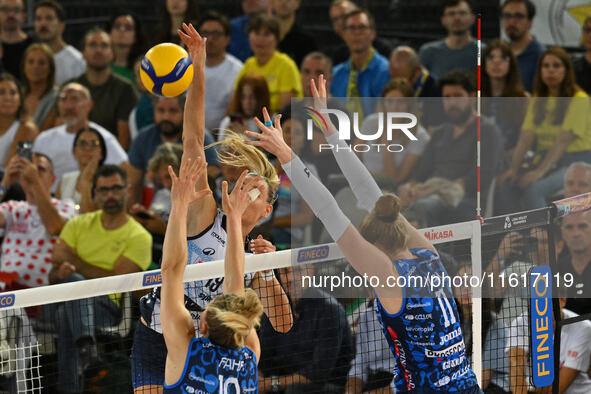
166 70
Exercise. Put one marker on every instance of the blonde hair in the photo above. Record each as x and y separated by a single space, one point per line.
167 154
231 317
384 225
235 153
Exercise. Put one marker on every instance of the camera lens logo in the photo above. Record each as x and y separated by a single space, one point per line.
208 251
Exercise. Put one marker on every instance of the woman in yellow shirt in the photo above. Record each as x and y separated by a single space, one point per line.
558 122
280 71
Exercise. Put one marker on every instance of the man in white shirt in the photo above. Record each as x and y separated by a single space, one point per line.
575 353
49 27
221 68
74 104
30 228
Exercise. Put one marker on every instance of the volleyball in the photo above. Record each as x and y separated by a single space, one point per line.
166 70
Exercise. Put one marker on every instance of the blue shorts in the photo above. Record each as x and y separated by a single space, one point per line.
148 357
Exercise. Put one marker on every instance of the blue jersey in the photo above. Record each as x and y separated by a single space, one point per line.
425 337
211 368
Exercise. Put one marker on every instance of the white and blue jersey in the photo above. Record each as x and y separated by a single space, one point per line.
211 368
425 336
209 245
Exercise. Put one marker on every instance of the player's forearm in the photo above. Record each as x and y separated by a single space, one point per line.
52 220
234 258
362 184
275 303
194 113
174 250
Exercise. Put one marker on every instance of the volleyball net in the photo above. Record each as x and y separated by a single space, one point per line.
79 335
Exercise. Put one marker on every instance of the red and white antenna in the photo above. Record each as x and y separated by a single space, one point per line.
478 61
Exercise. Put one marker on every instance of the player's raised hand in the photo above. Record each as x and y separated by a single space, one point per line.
319 92
236 202
195 44
183 187
270 138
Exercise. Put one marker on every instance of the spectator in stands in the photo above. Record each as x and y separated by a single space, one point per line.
575 353
340 53
371 370
73 106
291 214
239 42
399 165
366 72
221 68
281 73
495 367
30 228
167 127
40 91
448 189
250 97
558 121
517 253
143 113
90 151
576 232
14 40
315 355
174 14
582 64
50 19
517 17
404 63
14 125
577 179
94 245
293 41
113 96
129 43
314 65
500 78
155 219
458 49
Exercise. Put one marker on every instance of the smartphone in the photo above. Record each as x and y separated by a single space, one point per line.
143 215
25 149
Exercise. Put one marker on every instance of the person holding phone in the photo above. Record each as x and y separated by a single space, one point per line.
14 124
31 227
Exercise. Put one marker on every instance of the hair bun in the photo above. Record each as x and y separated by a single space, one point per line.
387 208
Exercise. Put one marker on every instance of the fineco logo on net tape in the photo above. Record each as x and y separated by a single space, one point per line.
6 300
311 254
152 278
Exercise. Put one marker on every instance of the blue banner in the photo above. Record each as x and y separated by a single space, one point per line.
542 327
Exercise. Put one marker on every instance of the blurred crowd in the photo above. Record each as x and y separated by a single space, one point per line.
85 148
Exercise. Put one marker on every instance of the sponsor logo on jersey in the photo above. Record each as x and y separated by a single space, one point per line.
152 278
220 239
453 363
422 343
422 305
442 382
310 254
460 373
438 235
453 349
449 336
208 251
419 316
6 300
399 350
419 328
